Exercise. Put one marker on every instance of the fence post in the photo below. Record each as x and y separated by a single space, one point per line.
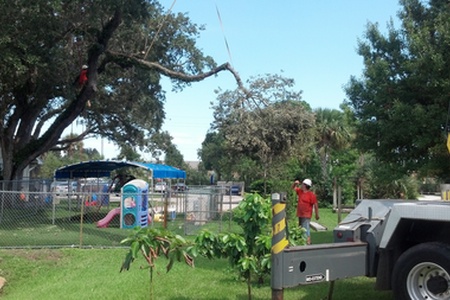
1 205
166 206
279 242
81 224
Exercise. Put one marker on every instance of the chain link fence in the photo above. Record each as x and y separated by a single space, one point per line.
40 215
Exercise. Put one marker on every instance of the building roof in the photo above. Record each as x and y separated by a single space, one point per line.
103 168
193 164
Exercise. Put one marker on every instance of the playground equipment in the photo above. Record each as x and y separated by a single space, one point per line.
133 210
103 223
134 204
134 214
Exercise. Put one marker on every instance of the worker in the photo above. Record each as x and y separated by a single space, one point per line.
306 203
82 80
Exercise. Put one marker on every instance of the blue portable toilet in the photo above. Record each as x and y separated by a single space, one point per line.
134 204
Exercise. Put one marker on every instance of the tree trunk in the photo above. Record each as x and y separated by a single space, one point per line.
8 176
249 287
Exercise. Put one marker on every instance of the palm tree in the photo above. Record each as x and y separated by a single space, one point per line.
333 133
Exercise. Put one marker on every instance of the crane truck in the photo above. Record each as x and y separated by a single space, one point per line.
404 244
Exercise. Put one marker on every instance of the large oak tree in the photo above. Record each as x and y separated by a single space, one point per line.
126 44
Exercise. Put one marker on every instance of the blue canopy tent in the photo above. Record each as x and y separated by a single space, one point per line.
103 168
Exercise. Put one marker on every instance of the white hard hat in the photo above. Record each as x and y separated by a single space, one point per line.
308 182
84 67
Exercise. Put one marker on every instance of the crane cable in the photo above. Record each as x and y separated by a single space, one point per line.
224 36
221 25
228 49
159 29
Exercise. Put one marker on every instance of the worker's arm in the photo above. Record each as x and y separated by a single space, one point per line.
316 209
295 184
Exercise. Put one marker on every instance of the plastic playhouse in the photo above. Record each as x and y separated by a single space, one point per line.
133 208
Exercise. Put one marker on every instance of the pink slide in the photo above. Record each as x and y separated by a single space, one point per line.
103 223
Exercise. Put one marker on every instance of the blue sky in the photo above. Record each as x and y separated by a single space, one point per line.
314 42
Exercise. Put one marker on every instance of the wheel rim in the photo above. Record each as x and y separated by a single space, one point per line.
428 281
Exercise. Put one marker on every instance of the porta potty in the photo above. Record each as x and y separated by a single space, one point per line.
134 208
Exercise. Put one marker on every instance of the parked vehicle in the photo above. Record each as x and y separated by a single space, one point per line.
160 187
235 190
404 244
73 186
59 187
180 187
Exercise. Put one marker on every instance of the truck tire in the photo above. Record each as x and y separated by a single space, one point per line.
422 272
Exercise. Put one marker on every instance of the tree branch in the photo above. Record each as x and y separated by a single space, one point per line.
126 60
75 139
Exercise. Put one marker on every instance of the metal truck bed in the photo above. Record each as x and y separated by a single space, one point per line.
324 262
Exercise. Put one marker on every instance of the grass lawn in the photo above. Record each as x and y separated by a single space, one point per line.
94 274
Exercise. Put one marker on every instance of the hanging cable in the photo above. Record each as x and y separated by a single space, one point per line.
246 92
159 29
224 36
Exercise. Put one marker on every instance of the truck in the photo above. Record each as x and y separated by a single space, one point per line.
404 244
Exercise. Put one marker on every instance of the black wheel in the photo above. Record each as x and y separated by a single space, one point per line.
422 272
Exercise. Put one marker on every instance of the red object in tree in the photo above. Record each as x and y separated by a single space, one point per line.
82 79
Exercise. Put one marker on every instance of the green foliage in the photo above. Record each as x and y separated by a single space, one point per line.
261 186
209 244
254 214
346 172
400 102
386 183
213 154
247 168
266 188
250 252
152 243
45 43
291 205
51 162
74 154
333 134
174 157
265 128
297 234
197 176
128 153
